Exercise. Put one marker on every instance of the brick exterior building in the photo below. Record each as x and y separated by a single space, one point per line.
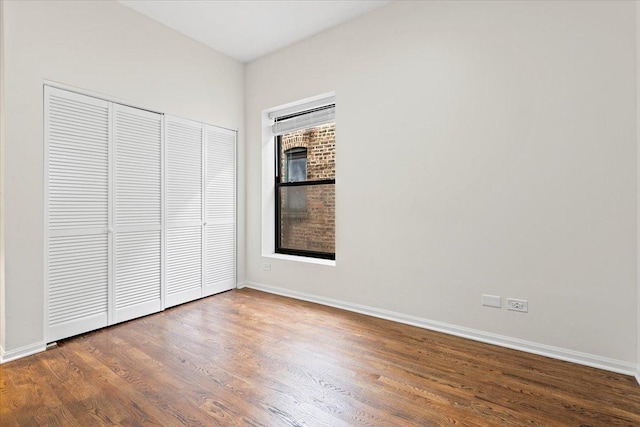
308 212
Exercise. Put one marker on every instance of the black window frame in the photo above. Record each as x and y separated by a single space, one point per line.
278 200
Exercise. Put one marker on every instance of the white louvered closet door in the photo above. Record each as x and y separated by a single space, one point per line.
77 221
184 181
138 213
220 210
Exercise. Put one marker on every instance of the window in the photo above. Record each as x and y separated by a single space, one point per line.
305 182
295 165
295 170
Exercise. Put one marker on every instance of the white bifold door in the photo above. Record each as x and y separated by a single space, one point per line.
200 251
77 217
140 212
220 210
184 210
103 176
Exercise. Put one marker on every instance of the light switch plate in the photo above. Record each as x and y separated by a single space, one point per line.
491 301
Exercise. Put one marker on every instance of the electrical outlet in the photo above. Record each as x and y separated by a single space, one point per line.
518 305
491 301
266 266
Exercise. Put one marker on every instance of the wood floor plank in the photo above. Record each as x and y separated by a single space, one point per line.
246 358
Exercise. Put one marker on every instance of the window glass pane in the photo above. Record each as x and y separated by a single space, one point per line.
296 168
309 153
307 218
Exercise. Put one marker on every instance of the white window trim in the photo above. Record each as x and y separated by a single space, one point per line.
268 183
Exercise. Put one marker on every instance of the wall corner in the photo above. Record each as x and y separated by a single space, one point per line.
637 28
2 289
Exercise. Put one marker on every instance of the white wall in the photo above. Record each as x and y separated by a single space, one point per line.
108 48
482 147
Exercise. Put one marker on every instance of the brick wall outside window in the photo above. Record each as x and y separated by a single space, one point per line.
313 229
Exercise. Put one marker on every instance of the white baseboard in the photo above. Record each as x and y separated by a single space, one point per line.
587 359
27 350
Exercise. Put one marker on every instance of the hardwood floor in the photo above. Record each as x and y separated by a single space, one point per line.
254 359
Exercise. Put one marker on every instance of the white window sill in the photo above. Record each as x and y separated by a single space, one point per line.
308 260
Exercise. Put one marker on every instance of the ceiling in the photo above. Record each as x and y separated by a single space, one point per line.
249 29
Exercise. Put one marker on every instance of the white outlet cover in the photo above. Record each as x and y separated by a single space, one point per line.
518 305
491 301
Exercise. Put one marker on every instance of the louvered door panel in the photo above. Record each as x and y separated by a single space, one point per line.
138 136
184 210
184 265
138 213
78 161
220 258
77 237
138 274
220 214
78 271
184 171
